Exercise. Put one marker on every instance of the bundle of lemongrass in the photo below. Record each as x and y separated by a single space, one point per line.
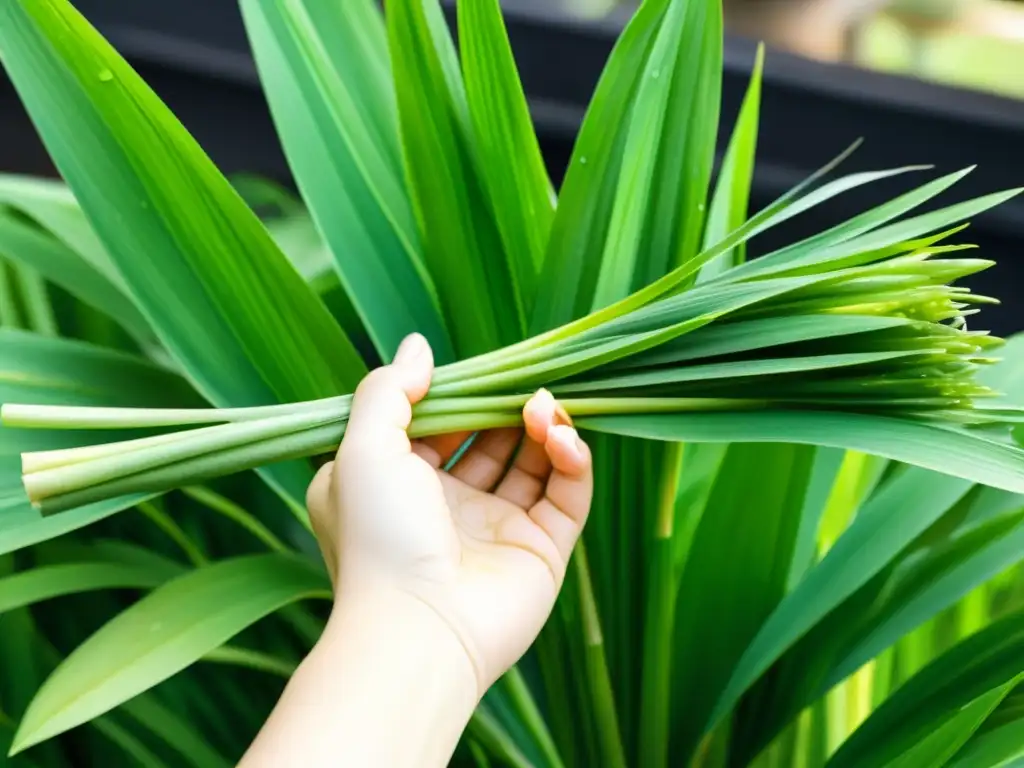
861 326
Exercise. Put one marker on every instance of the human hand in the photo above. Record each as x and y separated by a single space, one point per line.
484 548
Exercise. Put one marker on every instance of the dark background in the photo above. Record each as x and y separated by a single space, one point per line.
194 54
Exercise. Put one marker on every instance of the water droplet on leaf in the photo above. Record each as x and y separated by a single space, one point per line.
106 75
655 74
583 161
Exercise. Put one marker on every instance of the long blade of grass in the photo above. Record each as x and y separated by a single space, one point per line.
24 243
462 246
661 191
325 69
44 583
508 154
987 661
587 195
750 506
214 286
729 203
237 593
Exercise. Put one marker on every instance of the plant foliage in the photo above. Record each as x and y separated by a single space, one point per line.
807 525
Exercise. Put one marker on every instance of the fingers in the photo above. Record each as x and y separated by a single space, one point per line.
566 503
382 406
318 502
438 450
487 459
525 481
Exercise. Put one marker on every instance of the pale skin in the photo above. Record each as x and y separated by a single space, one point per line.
442 579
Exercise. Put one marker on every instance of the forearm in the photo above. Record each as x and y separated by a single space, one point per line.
388 684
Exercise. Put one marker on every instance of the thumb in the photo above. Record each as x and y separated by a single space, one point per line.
382 405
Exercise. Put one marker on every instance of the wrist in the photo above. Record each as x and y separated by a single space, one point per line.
392 659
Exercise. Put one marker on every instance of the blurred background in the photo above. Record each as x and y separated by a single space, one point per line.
972 43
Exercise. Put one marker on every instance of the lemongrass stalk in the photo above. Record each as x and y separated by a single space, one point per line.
598 677
198 469
91 417
72 470
39 461
135 458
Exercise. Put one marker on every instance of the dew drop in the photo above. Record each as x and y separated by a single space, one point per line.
583 161
700 207
655 74
106 75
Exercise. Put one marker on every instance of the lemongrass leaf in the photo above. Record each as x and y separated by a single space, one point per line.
26 244
325 69
52 206
462 247
587 194
30 587
174 731
666 159
729 204
162 634
211 271
508 154
988 661
945 576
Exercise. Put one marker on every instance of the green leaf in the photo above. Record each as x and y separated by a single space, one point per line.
942 577
162 634
41 369
45 583
462 246
988 661
662 187
956 452
35 298
127 741
174 731
53 207
585 200
325 70
508 155
137 175
998 744
24 243
28 528
952 451
215 288
750 515
728 208
938 746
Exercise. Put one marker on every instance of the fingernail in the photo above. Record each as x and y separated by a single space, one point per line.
566 437
561 415
412 347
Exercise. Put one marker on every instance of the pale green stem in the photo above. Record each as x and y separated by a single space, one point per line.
164 522
189 457
237 514
659 625
38 310
598 678
199 469
485 728
9 315
527 709
141 455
